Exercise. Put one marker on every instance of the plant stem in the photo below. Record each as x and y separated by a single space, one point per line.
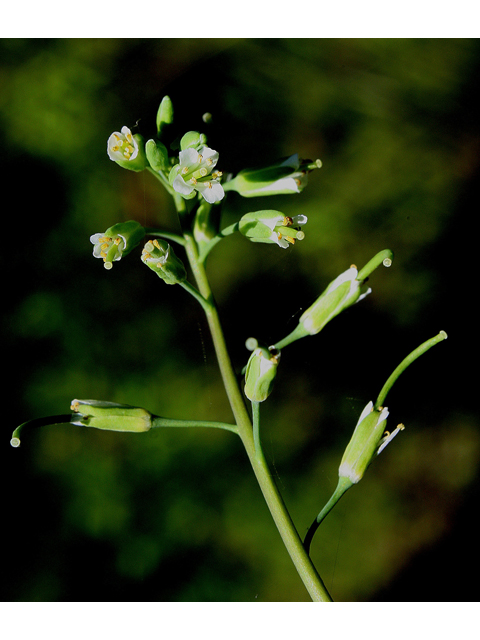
158 422
282 519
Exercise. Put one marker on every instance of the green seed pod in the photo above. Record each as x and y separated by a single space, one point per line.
110 416
260 374
161 258
117 241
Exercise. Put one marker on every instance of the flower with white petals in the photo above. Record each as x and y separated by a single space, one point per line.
287 176
194 173
272 227
127 149
117 241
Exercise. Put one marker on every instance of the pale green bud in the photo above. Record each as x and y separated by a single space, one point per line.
193 139
260 374
164 114
364 444
272 227
206 223
117 241
110 416
161 258
157 155
127 150
287 176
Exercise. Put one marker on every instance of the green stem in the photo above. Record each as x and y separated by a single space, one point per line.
158 422
228 231
343 485
163 179
405 363
281 517
256 431
165 234
196 294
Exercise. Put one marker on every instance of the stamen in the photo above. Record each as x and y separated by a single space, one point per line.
287 221
75 406
184 170
114 149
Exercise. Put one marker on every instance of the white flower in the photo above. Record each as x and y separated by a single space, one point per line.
272 227
194 173
122 146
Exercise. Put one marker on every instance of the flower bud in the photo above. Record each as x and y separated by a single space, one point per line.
117 241
161 258
340 294
193 139
127 150
288 176
272 227
260 374
206 222
363 446
157 155
164 114
110 416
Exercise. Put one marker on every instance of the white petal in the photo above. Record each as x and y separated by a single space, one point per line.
209 154
188 157
181 186
213 193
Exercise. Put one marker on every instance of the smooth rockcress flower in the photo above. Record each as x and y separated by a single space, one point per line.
260 373
117 241
272 227
340 294
110 416
127 150
287 176
161 258
194 173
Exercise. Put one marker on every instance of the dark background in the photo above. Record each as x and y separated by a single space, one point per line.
176 515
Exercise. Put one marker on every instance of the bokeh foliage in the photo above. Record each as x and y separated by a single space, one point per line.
176 515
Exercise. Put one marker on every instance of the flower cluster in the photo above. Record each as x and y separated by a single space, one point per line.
194 173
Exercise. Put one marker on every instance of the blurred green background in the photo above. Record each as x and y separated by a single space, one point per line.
176 515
